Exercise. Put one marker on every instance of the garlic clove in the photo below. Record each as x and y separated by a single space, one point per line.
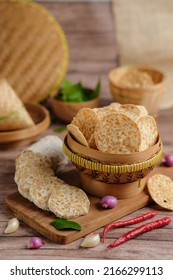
13 225
91 240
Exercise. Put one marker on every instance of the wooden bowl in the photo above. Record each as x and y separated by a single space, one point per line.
22 137
122 175
150 96
65 111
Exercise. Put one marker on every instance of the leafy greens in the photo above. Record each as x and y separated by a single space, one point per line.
70 92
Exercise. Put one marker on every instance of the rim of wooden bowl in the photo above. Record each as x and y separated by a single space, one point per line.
93 154
67 110
40 116
110 167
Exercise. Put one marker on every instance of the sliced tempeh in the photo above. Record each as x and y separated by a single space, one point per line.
68 201
41 191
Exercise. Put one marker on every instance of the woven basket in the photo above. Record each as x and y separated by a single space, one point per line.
33 50
149 96
112 169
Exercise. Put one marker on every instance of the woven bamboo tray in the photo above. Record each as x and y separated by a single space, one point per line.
33 50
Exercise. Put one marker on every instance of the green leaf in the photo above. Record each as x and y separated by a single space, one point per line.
66 84
65 224
89 94
70 92
74 93
60 129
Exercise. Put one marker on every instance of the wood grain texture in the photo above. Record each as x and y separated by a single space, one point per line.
96 218
92 54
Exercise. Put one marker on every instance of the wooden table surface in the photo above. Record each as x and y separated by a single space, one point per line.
91 39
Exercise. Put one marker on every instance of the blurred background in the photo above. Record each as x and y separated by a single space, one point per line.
117 32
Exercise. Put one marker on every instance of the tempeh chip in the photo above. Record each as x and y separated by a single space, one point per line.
77 134
133 111
86 120
160 188
117 133
149 132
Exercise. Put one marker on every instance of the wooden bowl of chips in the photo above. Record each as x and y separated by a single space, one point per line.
138 85
23 137
122 175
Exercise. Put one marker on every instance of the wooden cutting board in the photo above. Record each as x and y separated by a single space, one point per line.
97 217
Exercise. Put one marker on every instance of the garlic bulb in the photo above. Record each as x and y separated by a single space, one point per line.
13 225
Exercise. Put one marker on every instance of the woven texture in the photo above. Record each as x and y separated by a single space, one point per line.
110 173
144 36
33 50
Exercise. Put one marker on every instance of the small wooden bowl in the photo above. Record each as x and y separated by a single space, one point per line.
149 96
122 175
22 137
65 111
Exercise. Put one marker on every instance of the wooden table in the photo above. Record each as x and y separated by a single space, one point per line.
90 34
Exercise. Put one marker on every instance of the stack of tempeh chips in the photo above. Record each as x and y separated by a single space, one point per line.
116 128
36 180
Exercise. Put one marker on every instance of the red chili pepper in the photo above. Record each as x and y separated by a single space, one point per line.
132 221
139 230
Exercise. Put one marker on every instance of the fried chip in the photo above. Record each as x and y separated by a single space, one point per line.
149 132
103 111
86 120
78 135
133 111
117 133
160 188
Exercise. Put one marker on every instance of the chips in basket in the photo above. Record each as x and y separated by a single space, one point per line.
116 128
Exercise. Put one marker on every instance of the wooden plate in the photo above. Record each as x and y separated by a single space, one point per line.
22 137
